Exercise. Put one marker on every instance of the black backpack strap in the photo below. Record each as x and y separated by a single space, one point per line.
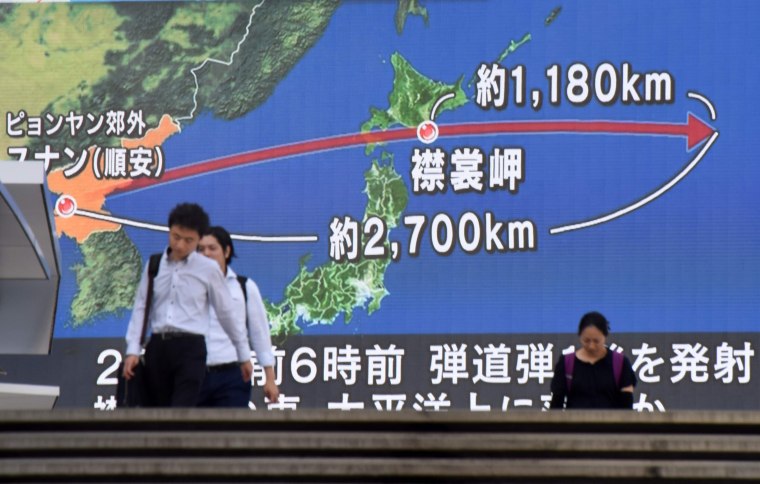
155 262
242 280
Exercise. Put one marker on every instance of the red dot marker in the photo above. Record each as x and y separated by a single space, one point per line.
427 132
65 206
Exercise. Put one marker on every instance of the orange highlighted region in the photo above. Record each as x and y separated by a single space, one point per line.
90 193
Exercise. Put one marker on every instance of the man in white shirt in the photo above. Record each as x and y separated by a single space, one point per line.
186 286
223 386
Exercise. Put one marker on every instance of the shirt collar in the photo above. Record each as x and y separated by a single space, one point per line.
187 259
230 273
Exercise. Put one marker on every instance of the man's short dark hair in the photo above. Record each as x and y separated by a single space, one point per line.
190 216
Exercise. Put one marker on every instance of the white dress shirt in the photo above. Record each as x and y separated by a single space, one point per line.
183 292
218 345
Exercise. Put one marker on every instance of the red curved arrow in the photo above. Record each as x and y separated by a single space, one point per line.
695 130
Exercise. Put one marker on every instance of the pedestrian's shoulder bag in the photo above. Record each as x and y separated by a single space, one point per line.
131 393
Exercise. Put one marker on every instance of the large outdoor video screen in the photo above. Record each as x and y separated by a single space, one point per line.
429 195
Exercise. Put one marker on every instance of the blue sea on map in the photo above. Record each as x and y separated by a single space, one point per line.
685 262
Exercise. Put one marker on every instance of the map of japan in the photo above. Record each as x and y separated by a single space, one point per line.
421 177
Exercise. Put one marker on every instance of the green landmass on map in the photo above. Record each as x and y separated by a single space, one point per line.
92 58
105 249
319 296
139 55
513 46
412 99
406 8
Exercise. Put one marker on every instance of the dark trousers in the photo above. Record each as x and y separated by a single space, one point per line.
174 370
224 387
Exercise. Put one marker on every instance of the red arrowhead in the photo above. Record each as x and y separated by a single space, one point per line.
697 131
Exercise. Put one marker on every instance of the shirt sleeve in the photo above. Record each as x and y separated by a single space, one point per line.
134 329
628 377
258 326
221 300
559 384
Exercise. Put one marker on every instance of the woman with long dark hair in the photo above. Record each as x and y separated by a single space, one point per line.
593 376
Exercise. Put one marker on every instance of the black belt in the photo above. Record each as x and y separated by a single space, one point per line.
176 334
222 367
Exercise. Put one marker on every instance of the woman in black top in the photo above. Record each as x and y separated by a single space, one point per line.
592 383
